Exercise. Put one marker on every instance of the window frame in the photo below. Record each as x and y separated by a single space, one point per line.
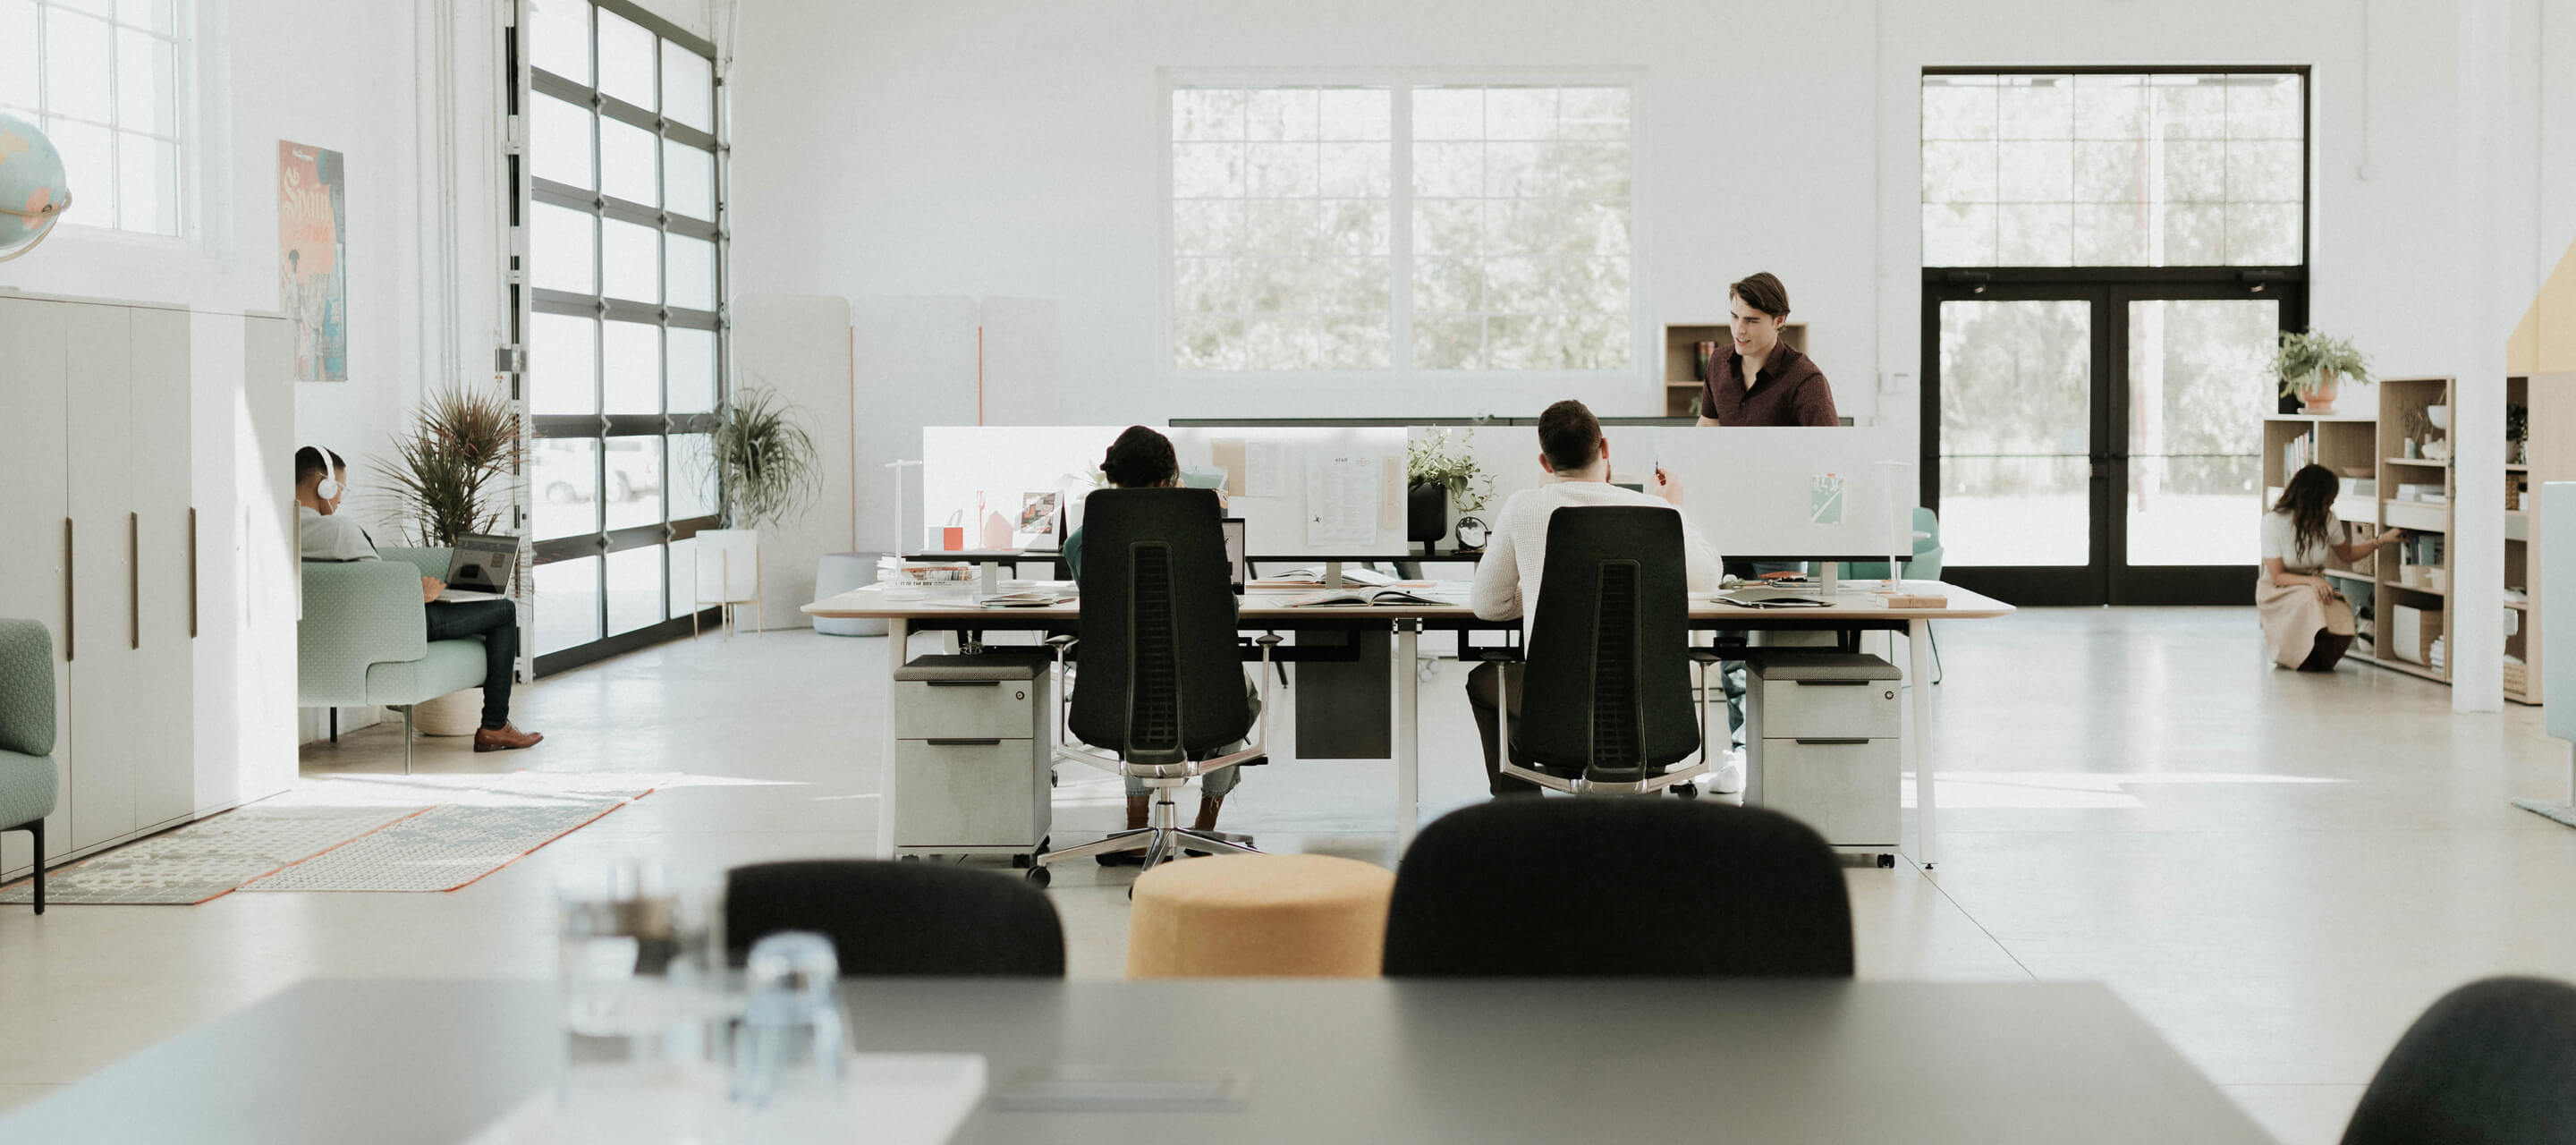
529 300
1400 82
182 109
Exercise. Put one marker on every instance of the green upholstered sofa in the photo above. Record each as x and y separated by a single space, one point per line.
365 640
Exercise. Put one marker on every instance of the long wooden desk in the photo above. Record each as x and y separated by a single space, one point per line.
1495 1061
1268 610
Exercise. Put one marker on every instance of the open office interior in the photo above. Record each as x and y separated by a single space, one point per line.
777 570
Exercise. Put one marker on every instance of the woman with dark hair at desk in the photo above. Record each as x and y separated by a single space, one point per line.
2307 623
1144 459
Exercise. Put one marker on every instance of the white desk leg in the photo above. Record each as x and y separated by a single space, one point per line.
898 636
1408 733
1918 674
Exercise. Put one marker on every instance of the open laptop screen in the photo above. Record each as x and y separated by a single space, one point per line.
482 563
1234 545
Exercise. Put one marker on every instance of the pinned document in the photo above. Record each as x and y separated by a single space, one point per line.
1825 501
1265 469
1342 494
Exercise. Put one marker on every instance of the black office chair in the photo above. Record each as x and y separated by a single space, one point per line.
2491 1063
1545 888
1161 693
899 918
1606 695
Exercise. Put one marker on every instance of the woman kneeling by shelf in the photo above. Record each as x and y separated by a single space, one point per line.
2307 623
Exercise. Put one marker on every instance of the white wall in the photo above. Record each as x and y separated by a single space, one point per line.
1015 147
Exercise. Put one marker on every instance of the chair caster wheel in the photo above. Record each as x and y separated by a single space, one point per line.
1023 862
1039 876
1687 791
1887 860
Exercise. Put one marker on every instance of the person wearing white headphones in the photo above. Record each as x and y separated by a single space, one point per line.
325 535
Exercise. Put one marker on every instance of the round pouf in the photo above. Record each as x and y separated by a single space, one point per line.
839 573
1259 916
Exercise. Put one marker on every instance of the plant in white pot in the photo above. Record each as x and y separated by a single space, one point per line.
455 472
2314 366
768 470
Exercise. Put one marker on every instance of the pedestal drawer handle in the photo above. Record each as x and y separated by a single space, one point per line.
1845 742
964 742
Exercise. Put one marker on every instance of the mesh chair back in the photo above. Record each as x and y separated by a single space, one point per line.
1612 887
2492 1063
1161 678
1607 688
899 918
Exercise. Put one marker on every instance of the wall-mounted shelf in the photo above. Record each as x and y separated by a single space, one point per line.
1682 381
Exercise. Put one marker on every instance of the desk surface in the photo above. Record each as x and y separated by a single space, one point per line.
1327 1060
870 603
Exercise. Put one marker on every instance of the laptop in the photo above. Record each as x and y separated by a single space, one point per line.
1234 545
479 568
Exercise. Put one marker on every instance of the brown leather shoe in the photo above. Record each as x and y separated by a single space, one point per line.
507 737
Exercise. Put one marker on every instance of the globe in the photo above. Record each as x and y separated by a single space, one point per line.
32 191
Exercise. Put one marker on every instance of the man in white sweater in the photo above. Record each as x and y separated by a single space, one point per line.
1576 459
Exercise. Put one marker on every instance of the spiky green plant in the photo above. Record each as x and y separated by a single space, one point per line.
767 463
456 470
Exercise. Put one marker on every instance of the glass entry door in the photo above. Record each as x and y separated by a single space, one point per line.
2098 444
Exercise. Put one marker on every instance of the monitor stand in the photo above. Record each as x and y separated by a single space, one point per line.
1333 576
1826 585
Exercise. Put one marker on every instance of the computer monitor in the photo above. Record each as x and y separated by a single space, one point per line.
1236 566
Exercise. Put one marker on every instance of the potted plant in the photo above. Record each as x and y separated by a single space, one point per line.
1445 482
768 470
2314 366
454 472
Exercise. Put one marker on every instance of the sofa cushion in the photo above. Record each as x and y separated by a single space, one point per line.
449 666
26 788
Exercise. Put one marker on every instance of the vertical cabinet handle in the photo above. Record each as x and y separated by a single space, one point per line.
192 572
134 580
71 586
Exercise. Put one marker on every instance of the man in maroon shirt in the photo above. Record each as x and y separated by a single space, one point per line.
1762 380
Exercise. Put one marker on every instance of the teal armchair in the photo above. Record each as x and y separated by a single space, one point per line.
365 637
27 784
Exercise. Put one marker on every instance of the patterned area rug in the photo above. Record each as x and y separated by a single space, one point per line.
356 833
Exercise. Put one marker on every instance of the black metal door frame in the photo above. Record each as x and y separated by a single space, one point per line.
2106 578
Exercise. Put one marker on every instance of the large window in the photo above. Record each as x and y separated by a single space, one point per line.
2115 169
621 328
1399 226
2109 258
101 78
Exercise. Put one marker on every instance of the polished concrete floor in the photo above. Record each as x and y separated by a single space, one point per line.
2279 871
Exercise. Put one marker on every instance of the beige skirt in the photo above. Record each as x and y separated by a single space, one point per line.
2293 615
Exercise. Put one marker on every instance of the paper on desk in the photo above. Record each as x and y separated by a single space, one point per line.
1265 469
1342 494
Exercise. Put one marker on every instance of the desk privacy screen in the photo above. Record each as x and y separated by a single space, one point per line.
1302 492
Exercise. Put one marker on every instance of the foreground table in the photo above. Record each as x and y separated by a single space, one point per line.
1269 610
397 1062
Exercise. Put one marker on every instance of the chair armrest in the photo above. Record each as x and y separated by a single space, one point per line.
430 561
26 688
356 613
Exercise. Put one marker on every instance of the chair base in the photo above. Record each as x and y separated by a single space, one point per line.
1162 840
1577 785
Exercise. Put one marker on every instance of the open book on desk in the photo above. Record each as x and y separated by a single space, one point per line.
1315 576
1361 596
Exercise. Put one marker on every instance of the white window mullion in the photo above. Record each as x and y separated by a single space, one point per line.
1399 226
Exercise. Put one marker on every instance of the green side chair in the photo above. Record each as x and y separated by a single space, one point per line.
1925 564
27 786
365 637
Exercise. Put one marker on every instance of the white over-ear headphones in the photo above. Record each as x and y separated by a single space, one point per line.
330 485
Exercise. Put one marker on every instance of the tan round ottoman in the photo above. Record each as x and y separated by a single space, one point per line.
1259 916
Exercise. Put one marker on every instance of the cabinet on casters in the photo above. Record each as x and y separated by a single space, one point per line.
1822 745
972 773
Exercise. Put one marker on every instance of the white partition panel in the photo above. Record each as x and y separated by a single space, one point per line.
1756 492
983 480
2557 512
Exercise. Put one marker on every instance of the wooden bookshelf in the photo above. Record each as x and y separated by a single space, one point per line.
2550 444
1682 381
